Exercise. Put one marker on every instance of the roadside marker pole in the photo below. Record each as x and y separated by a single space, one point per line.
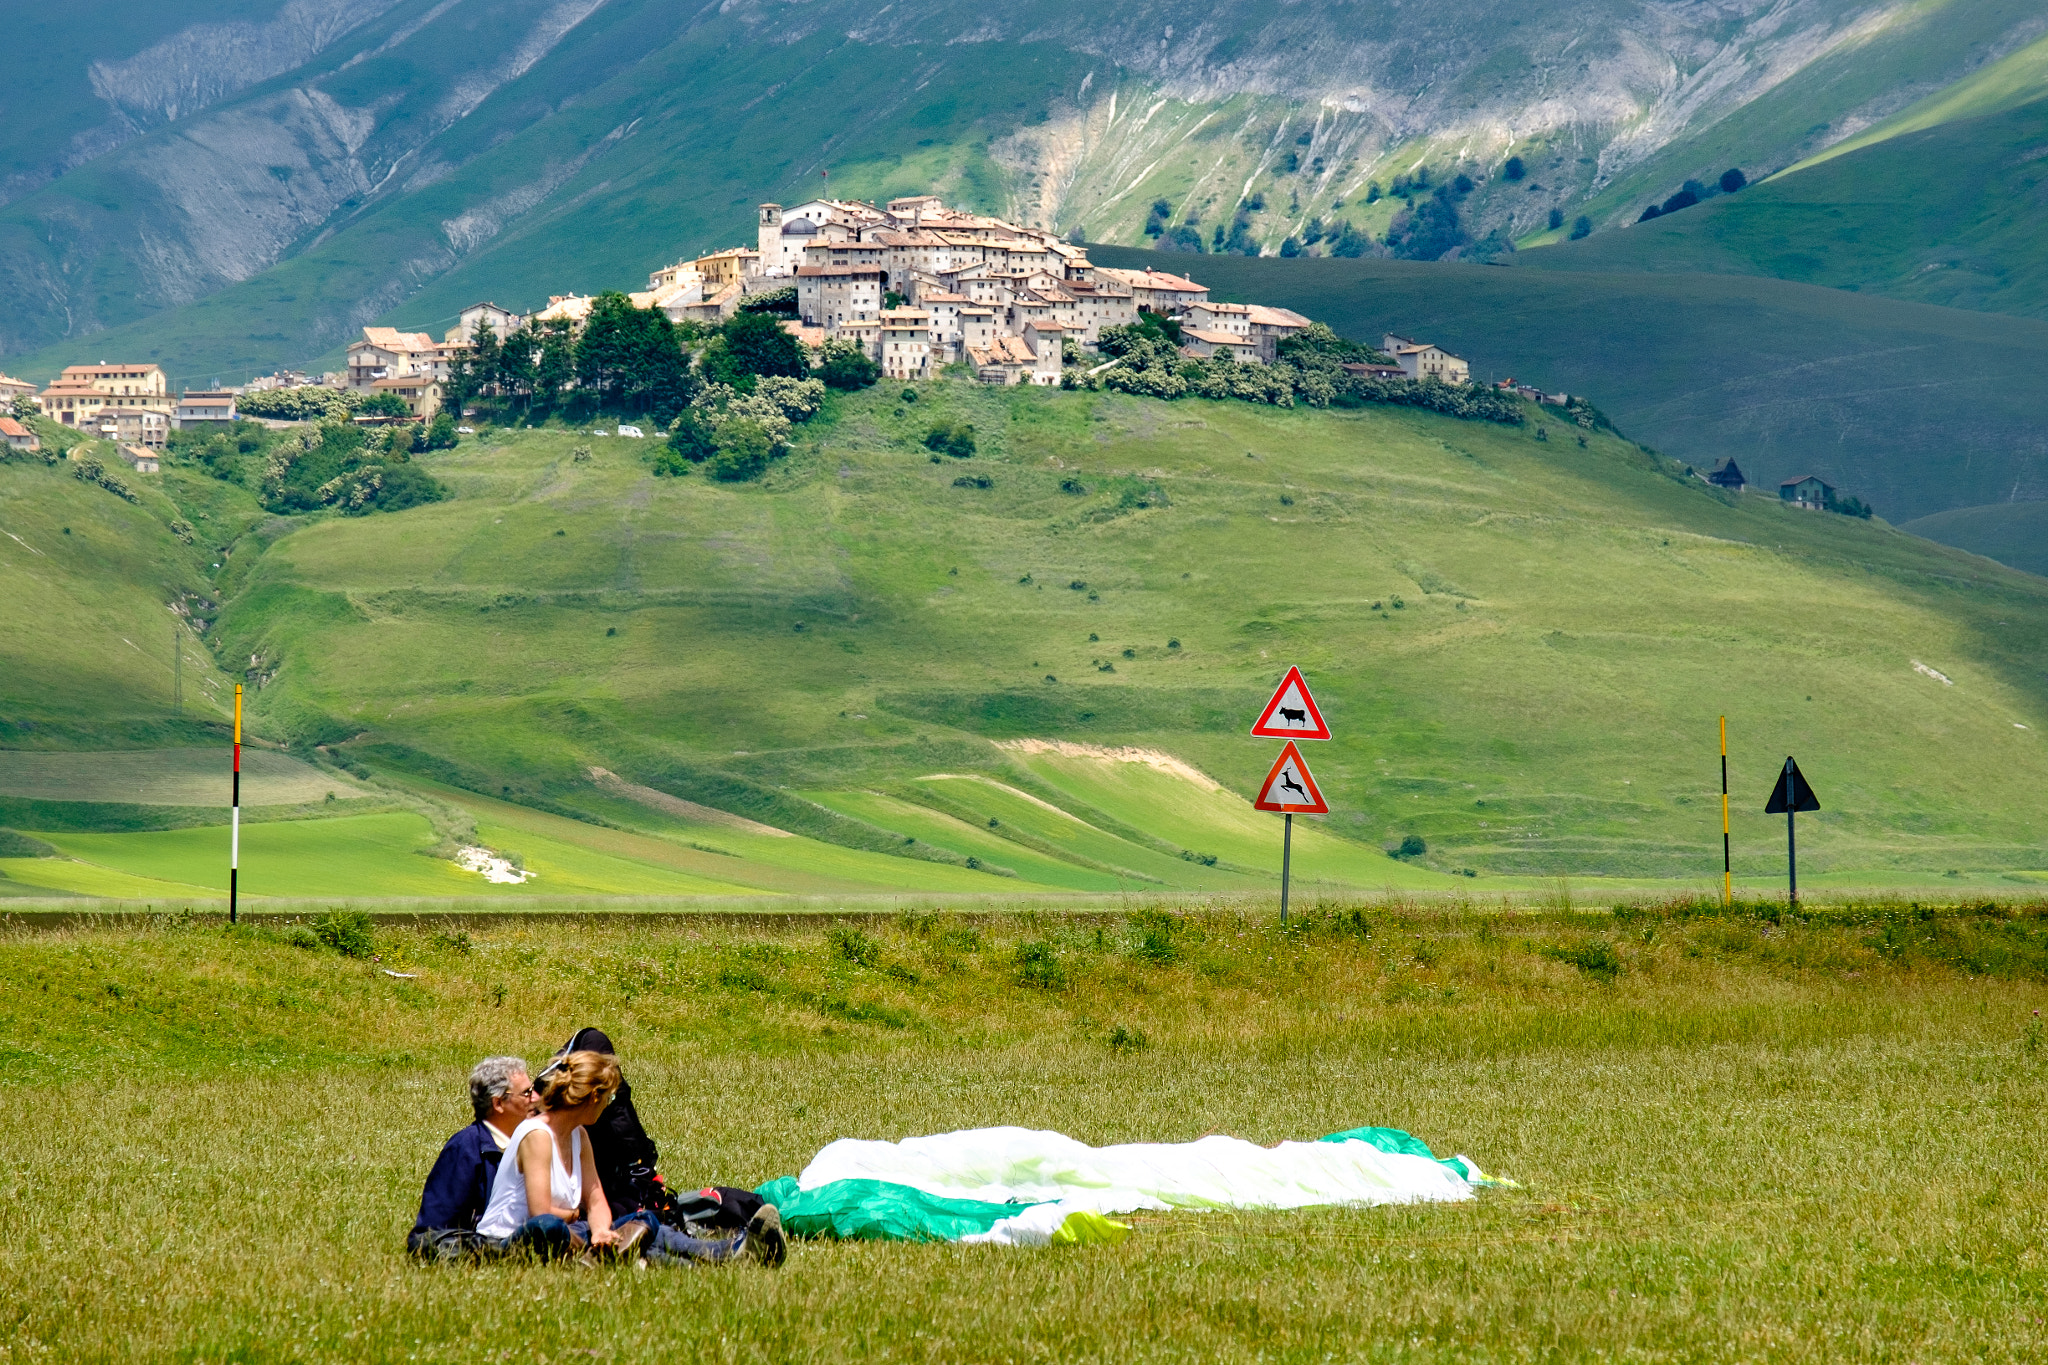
235 820
1727 863
1286 857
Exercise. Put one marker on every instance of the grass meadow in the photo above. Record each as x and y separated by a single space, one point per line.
1738 1135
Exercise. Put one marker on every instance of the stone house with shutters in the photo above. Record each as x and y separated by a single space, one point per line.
14 434
1809 491
1425 360
829 296
906 343
145 427
1202 344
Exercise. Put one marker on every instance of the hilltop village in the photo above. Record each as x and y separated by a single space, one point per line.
914 285
912 290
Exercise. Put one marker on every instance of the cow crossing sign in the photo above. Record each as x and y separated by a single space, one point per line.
1292 713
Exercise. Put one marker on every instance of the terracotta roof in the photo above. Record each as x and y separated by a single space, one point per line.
215 402
10 427
1263 316
1217 338
404 381
391 339
107 369
1002 351
1231 308
814 271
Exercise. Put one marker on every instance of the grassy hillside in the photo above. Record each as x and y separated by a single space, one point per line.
1788 378
861 675
97 587
1522 643
2014 533
1954 214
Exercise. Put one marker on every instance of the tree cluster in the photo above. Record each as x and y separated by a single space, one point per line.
306 403
1308 369
1692 192
336 463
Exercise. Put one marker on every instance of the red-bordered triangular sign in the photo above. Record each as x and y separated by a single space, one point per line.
1289 788
1292 713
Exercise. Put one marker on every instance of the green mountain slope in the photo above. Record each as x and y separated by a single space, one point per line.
2014 533
96 587
1521 642
1788 378
1954 214
248 190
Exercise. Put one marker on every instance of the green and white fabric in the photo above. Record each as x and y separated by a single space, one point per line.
1020 1187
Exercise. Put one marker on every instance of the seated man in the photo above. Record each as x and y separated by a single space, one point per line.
459 1186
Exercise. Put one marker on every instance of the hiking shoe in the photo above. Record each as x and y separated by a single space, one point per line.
628 1247
765 1242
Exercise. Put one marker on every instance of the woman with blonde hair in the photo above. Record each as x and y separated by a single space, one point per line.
548 1201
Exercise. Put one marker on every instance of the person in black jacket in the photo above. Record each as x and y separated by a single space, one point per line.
459 1186
626 1160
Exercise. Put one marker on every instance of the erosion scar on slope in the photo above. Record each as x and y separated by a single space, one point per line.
675 805
1151 758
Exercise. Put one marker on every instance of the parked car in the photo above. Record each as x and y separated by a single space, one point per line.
632 431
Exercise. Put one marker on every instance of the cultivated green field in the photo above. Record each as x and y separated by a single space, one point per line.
1747 1137
859 677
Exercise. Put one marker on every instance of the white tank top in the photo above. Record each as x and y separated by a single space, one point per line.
507 1212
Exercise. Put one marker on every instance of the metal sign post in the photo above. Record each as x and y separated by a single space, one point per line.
1290 790
1791 795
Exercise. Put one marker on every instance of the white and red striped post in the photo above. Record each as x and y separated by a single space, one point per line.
235 819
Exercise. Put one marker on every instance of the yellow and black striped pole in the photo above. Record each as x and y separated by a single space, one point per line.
1727 864
235 817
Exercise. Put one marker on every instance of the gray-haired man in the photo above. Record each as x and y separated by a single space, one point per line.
460 1184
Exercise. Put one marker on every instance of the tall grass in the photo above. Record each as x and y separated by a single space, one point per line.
1800 1137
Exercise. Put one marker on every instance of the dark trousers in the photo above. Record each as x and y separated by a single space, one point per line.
548 1238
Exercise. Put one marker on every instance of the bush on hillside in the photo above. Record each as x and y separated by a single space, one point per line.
691 441
847 366
948 438
1556 219
743 450
333 464
1851 507
384 405
1732 180
1582 226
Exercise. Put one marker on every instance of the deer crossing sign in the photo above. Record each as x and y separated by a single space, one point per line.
1289 789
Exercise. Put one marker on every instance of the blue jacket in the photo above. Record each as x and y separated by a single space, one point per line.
459 1186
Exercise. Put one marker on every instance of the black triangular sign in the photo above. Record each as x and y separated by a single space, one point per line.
1792 791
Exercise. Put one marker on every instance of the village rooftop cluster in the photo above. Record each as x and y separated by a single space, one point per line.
917 286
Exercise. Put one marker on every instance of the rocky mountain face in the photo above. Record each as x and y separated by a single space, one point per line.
252 183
